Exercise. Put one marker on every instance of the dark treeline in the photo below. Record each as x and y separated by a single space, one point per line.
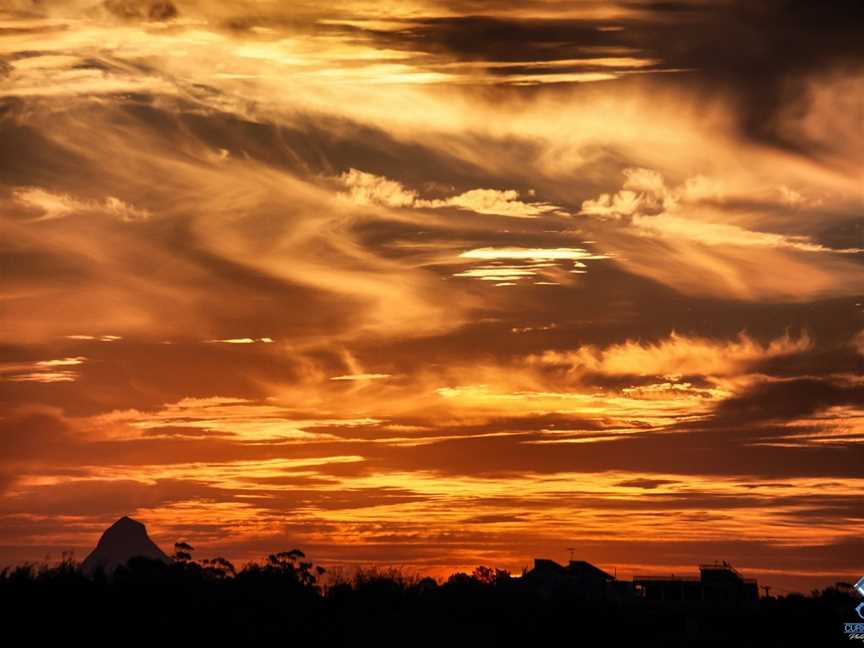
289 601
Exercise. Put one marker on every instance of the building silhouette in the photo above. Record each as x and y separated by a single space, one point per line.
717 583
578 578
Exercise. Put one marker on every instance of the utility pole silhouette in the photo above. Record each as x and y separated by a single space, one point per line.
767 589
571 550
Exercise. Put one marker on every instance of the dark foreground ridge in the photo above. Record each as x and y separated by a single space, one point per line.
181 601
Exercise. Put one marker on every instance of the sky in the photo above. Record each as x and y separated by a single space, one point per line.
436 284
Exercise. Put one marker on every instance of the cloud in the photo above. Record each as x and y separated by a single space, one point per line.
42 371
649 484
493 202
791 400
362 377
366 188
124 211
353 288
55 205
527 263
705 254
623 203
51 205
653 209
531 254
97 338
720 234
676 355
244 419
43 377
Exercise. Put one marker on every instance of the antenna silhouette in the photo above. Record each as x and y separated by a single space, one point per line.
767 589
571 550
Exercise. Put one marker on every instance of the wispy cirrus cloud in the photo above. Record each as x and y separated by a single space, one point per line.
690 225
94 338
56 205
42 371
677 355
361 377
654 209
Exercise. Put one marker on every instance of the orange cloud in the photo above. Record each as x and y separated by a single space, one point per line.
676 355
43 371
366 188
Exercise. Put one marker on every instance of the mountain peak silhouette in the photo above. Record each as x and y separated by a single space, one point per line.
125 539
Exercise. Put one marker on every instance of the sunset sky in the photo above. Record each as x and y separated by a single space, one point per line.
436 283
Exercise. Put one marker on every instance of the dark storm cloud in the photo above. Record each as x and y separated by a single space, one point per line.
821 362
485 38
786 400
763 53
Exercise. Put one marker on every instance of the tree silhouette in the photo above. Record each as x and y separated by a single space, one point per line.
278 601
218 568
490 575
183 552
288 565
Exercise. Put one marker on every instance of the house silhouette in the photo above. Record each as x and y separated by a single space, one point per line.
718 582
578 578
